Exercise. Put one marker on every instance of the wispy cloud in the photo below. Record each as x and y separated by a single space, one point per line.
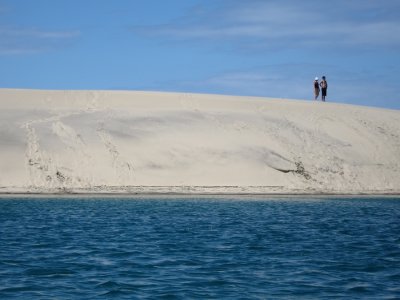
280 80
351 35
32 40
295 81
277 23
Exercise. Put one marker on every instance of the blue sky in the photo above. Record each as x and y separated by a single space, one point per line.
271 48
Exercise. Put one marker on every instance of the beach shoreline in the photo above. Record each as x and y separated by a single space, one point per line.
193 195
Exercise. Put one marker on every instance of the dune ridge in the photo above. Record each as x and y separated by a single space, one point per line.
153 142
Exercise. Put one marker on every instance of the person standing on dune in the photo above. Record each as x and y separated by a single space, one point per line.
316 88
324 87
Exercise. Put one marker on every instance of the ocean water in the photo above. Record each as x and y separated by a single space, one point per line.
206 248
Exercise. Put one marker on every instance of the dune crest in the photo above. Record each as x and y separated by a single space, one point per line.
149 142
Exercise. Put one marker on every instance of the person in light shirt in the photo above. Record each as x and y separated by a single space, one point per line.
316 88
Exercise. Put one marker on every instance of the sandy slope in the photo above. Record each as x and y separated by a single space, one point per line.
114 141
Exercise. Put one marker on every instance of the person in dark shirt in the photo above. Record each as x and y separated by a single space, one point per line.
324 87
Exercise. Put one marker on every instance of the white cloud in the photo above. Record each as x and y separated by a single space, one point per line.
271 81
295 81
274 23
32 40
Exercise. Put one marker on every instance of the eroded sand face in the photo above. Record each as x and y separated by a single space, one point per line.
138 142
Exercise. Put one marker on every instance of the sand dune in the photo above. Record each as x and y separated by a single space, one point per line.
147 142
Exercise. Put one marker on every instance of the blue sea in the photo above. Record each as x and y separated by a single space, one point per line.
199 248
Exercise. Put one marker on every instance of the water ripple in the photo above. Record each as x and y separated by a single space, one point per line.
199 248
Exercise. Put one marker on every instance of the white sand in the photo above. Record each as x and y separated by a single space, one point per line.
143 142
